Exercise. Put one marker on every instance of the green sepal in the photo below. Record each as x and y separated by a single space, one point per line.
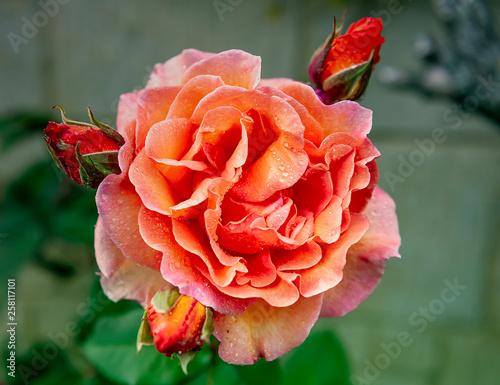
165 299
318 58
208 325
144 336
186 358
90 175
71 122
106 162
109 131
353 80
53 154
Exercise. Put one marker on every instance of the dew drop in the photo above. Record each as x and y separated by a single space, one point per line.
281 180
285 174
282 168
119 201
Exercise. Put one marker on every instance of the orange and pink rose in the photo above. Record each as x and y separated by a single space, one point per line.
250 195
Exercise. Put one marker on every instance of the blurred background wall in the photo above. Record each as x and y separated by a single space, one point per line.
441 167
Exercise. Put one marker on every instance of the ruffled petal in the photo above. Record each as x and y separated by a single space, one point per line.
366 259
235 67
263 331
345 116
171 72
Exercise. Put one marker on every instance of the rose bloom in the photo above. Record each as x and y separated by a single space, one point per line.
249 195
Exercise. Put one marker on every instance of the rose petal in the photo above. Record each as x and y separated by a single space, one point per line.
169 140
303 257
153 107
127 112
191 94
170 73
191 239
279 168
281 293
265 331
235 67
274 83
223 136
366 259
118 206
155 192
345 116
261 270
122 278
328 272
327 223
177 265
319 181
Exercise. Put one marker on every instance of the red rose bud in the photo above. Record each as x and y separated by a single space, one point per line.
342 66
175 324
87 153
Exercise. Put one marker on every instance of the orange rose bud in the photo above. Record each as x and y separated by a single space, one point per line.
342 66
177 323
87 153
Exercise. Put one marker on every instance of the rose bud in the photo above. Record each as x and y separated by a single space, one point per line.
175 324
342 66
87 153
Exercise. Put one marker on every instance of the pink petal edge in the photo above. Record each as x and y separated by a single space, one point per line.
366 259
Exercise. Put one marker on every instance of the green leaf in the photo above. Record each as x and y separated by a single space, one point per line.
320 360
111 347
